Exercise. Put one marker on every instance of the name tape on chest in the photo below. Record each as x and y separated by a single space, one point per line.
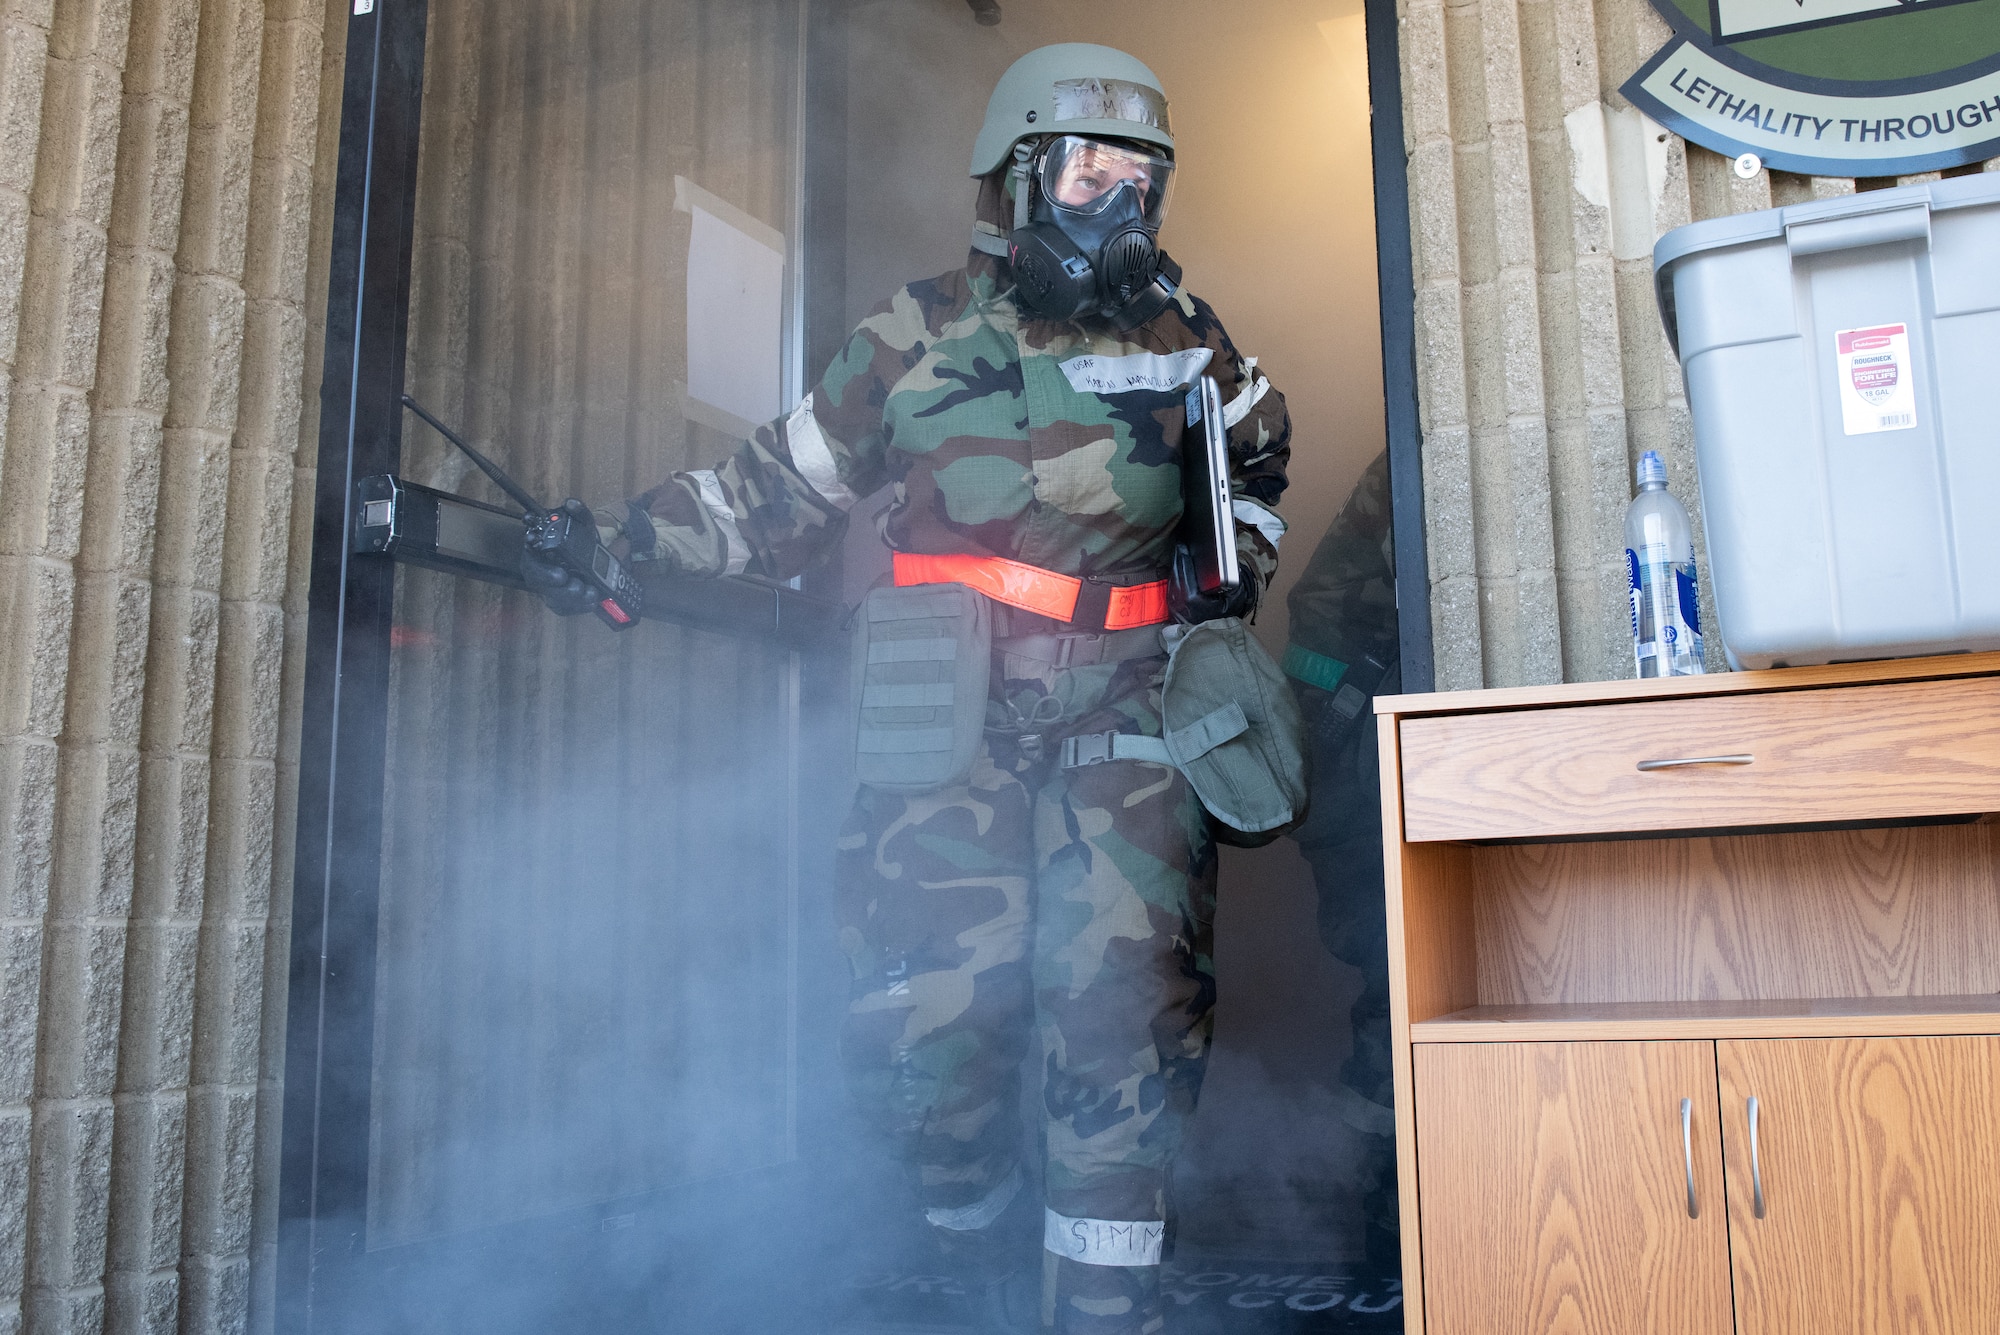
1091 374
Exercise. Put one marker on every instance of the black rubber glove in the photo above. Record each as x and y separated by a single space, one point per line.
1190 607
563 592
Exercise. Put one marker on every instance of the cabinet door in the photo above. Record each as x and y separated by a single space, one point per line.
1877 1160
1553 1189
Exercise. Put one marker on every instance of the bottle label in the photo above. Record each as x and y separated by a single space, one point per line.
1665 612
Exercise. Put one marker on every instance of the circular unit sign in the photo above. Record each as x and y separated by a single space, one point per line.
1830 87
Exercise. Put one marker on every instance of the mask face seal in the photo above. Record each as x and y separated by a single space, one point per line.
1090 242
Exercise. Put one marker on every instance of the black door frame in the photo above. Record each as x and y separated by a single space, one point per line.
1396 282
323 1182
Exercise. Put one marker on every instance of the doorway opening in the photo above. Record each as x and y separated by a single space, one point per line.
565 997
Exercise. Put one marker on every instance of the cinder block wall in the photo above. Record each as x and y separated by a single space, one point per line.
1536 194
164 173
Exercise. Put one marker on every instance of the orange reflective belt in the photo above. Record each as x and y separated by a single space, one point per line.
1032 589
1137 605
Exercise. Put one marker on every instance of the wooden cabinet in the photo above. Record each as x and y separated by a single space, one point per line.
1557 1186
1581 938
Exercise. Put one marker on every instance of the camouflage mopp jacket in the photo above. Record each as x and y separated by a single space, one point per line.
1058 445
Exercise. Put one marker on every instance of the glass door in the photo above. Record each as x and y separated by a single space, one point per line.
547 998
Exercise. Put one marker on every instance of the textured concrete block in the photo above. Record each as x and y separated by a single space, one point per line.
181 668
1448 504
82 987
1556 298
1599 334
138 304
49 443
91 138
16 1143
247 700
158 185
1478 245
23 64
260 484
204 355
288 103
109 659
20 1009
221 1150
1503 77
1434 211
215 1295
72 1178
1440 357
274 338
157 1038
27 819
62 301
65 1311
271 1049
173 836
1455 633
1521 339
160 58
1426 89
229 1003
149 1177
1482 331
14 220
142 1304
241 852
44 595
135 512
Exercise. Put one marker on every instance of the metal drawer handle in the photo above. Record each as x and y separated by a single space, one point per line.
1756 1169
1697 760
1687 1149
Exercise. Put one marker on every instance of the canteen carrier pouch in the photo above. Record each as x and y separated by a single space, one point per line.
1230 725
922 659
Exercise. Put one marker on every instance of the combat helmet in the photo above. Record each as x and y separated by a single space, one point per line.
1072 88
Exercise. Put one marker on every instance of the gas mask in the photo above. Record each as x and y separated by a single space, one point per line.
1085 241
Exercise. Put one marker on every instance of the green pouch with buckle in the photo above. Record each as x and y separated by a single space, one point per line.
1233 728
922 659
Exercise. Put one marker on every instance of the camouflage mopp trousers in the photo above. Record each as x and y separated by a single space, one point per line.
1072 907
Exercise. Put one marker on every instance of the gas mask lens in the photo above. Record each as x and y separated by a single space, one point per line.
1085 176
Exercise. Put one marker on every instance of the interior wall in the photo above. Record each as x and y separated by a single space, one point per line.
1536 193
1273 221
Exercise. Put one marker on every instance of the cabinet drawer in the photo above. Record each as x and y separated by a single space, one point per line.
1850 753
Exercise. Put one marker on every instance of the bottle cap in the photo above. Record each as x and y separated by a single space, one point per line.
1651 469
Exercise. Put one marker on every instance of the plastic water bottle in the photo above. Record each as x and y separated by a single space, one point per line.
1659 563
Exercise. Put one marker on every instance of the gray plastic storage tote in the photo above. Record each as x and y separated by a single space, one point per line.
1843 371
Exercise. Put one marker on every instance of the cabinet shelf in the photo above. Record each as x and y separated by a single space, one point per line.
1826 1017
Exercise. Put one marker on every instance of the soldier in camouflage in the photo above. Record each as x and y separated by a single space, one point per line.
1031 901
1343 652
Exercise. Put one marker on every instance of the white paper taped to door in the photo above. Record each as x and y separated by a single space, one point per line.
735 318
1878 385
